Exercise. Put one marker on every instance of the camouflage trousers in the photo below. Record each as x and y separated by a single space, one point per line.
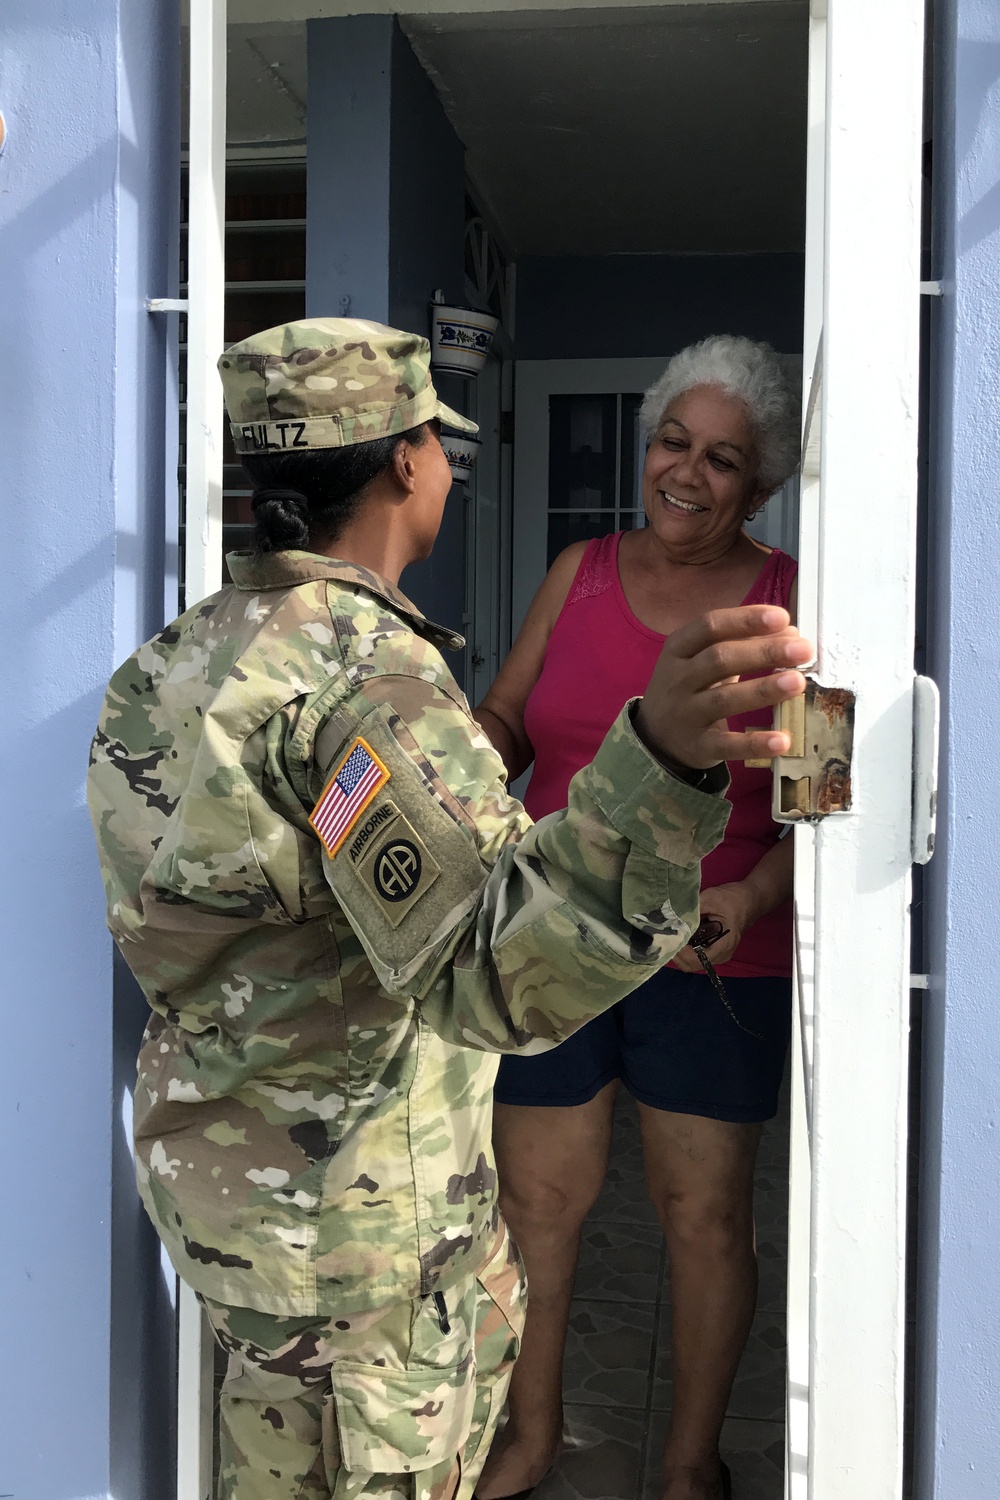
398 1402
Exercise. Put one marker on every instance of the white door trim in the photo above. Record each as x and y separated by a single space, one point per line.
206 301
202 569
798 1321
866 404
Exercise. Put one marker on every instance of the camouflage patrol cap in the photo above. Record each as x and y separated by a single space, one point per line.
329 383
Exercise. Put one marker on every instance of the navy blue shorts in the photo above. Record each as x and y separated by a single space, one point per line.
674 1046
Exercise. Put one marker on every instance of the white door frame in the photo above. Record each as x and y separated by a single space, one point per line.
202 569
848 1212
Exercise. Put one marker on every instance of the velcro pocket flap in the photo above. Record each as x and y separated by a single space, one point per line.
407 870
402 1421
646 895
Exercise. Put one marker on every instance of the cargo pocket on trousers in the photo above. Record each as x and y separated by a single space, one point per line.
402 1421
502 1304
503 1280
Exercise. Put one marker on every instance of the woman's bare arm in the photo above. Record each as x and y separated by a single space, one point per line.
501 713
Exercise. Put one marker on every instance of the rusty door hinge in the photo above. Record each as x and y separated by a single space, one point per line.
814 778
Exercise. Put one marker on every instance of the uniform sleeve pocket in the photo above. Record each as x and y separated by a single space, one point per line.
402 866
402 1421
648 895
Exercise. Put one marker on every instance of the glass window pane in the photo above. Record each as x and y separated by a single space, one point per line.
568 526
265 255
583 460
248 312
258 192
633 453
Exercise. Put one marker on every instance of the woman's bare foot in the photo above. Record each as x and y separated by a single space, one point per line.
701 1483
517 1461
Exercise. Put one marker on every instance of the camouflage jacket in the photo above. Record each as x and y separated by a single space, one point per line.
312 1118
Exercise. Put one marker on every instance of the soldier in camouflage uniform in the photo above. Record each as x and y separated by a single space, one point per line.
340 918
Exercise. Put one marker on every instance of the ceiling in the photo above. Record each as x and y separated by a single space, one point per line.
680 128
674 127
254 11
266 89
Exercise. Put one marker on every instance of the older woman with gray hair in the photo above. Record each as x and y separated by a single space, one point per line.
723 429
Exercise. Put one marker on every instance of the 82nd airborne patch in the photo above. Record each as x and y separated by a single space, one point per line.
395 866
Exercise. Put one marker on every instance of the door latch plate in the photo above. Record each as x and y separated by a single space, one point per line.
814 779
926 732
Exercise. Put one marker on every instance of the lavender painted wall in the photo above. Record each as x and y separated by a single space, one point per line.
958 1306
386 178
89 90
348 162
386 223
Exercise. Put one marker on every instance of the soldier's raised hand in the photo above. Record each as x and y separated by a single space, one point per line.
696 685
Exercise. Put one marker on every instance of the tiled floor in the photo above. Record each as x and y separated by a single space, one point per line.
618 1378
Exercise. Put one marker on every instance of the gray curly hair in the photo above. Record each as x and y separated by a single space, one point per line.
755 374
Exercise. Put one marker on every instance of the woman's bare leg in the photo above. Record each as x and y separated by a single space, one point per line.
700 1176
551 1163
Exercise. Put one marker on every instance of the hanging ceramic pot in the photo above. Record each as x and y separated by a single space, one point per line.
460 338
460 453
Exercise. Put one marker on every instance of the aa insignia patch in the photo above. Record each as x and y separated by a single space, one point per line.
359 777
397 867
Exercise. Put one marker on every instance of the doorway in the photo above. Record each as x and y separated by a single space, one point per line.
626 247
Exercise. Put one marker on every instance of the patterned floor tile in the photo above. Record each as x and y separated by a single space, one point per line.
772 1273
773 1150
771 1224
620 1316
770 1205
772 1153
624 1199
754 1451
623 1202
608 1353
626 1138
620 1263
601 1459
759 1388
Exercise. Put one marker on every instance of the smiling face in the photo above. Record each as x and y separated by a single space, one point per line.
700 481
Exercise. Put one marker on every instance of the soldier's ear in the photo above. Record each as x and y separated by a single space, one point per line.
403 468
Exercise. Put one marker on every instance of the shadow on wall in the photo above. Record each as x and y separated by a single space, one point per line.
976 146
143 1360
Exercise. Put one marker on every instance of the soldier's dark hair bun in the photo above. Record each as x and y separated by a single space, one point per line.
282 517
302 501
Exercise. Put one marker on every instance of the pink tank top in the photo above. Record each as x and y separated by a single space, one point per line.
597 658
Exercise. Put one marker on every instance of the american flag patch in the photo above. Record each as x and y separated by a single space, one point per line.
359 777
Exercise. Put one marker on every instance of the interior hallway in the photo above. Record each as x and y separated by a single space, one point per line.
618 1377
